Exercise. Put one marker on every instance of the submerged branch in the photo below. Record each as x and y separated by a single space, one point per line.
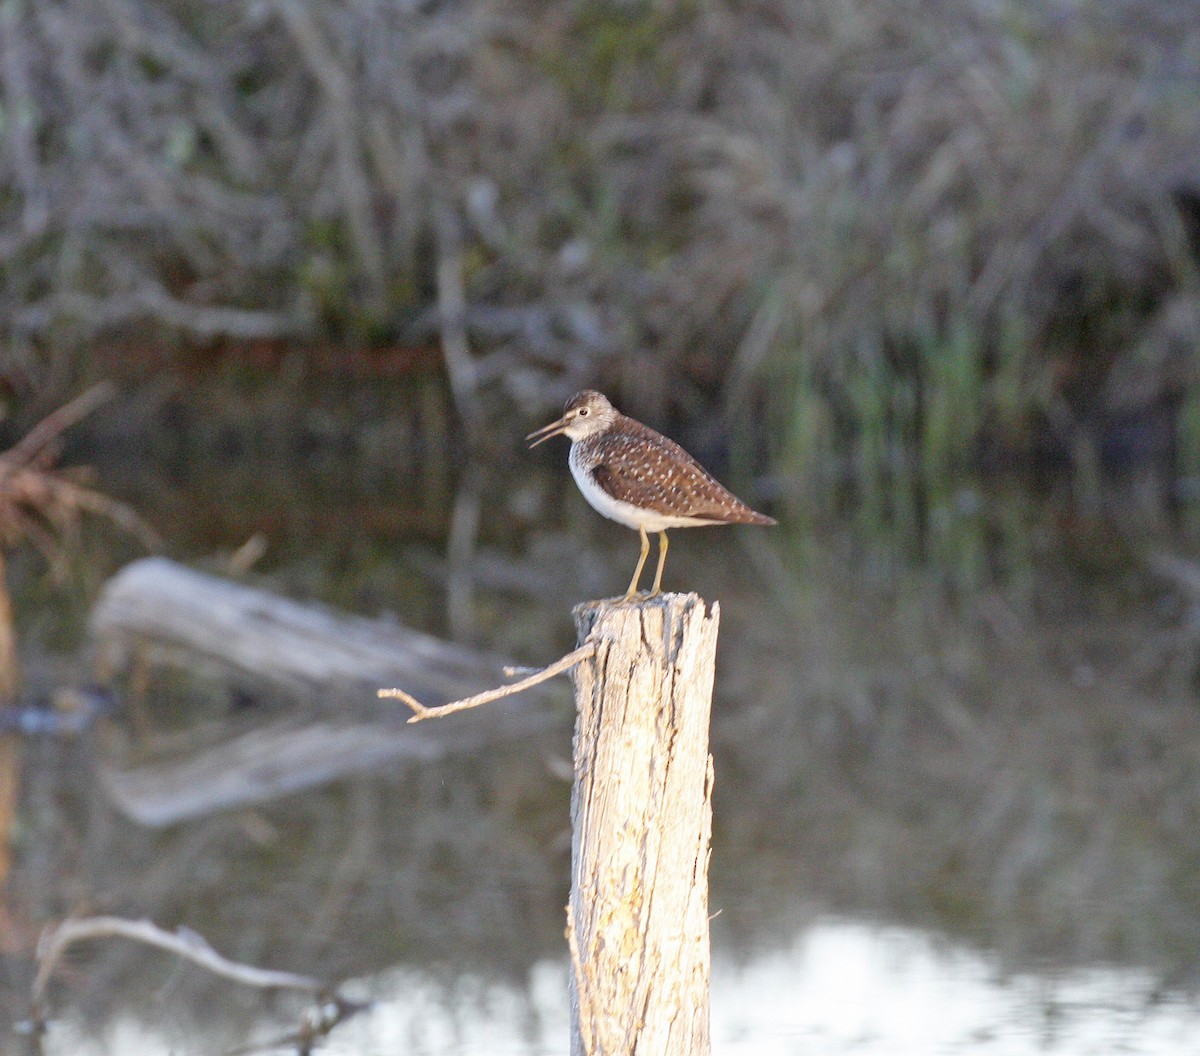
332 1007
187 944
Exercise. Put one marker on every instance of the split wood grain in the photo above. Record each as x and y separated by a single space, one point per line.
641 816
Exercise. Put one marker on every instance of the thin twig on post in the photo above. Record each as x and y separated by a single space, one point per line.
420 711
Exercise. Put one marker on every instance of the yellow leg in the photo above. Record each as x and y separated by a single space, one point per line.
662 560
637 572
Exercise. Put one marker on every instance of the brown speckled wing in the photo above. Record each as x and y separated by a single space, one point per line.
642 467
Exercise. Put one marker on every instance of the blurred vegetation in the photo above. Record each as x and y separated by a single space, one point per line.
887 245
892 241
41 505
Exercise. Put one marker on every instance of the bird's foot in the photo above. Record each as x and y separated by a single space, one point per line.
637 596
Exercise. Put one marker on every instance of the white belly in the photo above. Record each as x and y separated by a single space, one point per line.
624 512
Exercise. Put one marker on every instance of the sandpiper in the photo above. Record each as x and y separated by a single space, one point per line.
638 478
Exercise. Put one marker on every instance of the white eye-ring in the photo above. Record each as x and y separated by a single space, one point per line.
583 412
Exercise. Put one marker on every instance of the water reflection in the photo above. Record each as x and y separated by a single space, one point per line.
853 988
1006 777
838 987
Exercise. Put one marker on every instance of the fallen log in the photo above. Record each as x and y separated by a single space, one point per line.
183 641
167 614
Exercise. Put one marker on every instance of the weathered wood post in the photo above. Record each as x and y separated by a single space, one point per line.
641 814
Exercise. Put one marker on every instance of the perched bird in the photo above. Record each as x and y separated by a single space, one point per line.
639 478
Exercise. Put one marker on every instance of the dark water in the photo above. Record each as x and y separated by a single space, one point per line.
957 806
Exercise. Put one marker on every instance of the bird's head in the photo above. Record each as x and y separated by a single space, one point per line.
586 413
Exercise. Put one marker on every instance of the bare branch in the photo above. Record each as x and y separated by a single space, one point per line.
452 308
121 514
189 945
57 422
151 301
151 30
557 668
342 109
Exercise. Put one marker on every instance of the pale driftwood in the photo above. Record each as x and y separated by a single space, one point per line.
156 613
186 944
641 813
169 614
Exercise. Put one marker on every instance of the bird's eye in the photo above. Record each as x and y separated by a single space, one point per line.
583 411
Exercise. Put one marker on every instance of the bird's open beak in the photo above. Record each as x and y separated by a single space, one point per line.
547 431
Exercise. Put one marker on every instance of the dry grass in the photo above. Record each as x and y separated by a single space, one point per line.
42 505
905 227
971 232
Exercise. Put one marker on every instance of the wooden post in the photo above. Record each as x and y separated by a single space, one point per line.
641 813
